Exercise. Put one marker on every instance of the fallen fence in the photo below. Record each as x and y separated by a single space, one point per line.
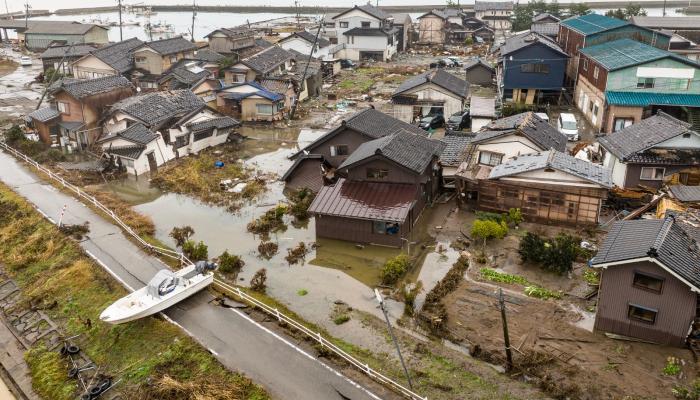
274 312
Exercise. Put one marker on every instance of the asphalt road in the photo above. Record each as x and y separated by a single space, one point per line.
240 343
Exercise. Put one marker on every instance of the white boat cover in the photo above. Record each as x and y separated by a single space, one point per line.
161 282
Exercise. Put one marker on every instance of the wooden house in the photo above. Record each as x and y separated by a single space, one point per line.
434 91
250 101
59 58
496 14
41 35
112 59
648 280
44 122
231 41
153 59
272 60
478 72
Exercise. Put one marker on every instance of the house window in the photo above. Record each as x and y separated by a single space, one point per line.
679 84
596 71
621 123
585 64
686 136
333 40
181 141
239 78
329 24
343 24
385 228
647 282
376 173
642 314
339 150
365 24
489 158
140 60
535 68
645 83
652 173
148 85
173 59
264 109
63 108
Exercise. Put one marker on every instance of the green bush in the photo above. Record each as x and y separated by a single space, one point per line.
230 264
514 216
557 255
541 293
489 216
14 135
300 201
531 248
691 392
181 234
195 251
394 269
341 319
488 229
495 276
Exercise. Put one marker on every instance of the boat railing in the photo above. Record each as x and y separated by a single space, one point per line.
227 288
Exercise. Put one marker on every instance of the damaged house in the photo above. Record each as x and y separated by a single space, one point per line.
329 151
153 59
142 132
250 101
652 152
231 41
270 61
649 280
112 59
385 185
303 42
440 27
432 92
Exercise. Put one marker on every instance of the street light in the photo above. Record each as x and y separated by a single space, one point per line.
380 300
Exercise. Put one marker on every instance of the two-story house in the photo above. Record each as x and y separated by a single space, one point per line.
530 69
404 24
386 184
154 58
231 41
303 42
583 31
333 148
432 91
651 152
363 32
112 59
623 81
272 60
496 14
648 280
436 26
545 24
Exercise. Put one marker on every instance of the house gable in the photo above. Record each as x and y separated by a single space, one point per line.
681 142
397 173
510 145
550 176
356 12
86 65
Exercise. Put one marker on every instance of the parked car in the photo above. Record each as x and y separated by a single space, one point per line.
345 64
543 116
438 64
566 123
458 120
25 61
432 122
456 61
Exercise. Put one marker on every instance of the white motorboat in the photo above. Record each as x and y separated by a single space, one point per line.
165 289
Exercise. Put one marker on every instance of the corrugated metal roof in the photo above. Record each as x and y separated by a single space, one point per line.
624 53
592 23
390 202
686 193
644 99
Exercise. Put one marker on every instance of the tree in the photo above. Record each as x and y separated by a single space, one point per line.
451 4
631 10
195 251
230 264
394 268
181 234
579 9
488 229
523 13
257 282
618 13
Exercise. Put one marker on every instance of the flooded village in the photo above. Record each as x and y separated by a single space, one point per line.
491 200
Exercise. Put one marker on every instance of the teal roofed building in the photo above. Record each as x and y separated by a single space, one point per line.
624 81
588 30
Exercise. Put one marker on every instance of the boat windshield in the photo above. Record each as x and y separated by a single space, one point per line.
162 283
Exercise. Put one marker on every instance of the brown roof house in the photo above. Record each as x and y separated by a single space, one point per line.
386 184
80 104
651 152
650 278
250 101
231 41
44 122
336 146
153 59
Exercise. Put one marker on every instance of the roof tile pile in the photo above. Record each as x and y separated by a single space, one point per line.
529 125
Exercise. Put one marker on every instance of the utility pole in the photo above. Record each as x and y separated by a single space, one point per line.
194 14
120 21
306 68
391 333
664 14
26 16
506 338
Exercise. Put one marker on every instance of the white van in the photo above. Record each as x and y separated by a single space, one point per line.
566 123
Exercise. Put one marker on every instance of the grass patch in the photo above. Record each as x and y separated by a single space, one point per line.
341 319
47 265
495 276
302 292
542 293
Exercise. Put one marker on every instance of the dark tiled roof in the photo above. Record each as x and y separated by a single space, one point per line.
153 109
268 59
233 32
262 43
665 241
492 5
376 124
544 16
77 50
528 124
120 55
555 160
370 32
455 146
477 62
136 133
218 123
517 42
439 77
81 88
310 37
412 151
643 135
186 73
44 114
132 152
389 202
686 193
172 45
275 85
208 55
369 9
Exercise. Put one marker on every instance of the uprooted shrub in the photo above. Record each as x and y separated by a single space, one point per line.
271 221
77 231
394 268
267 249
409 292
230 264
297 254
556 255
181 234
433 316
300 201
195 251
257 282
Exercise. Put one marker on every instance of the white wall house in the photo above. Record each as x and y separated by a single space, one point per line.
303 41
362 32
137 149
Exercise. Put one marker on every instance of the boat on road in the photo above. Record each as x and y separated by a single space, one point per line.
165 289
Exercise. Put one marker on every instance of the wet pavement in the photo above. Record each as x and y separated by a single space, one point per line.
19 93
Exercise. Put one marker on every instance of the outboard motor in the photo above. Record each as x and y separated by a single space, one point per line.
204 266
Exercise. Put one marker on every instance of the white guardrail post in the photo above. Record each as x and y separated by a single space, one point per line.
364 367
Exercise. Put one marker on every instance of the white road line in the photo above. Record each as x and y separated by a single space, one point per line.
300 350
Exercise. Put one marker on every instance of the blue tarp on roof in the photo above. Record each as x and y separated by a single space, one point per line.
592 23
644 99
